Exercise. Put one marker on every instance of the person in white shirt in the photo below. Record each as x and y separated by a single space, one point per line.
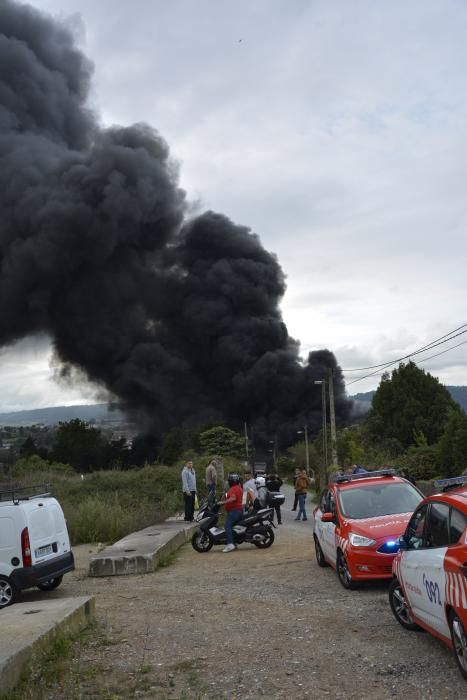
249 490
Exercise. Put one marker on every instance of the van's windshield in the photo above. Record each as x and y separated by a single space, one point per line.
373 500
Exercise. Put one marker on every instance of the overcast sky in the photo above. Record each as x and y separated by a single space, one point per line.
335 129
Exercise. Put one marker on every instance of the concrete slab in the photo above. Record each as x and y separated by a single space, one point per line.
27 628
141 552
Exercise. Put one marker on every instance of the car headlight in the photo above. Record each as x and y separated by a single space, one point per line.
360 541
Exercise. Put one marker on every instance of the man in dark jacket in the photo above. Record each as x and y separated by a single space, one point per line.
274 484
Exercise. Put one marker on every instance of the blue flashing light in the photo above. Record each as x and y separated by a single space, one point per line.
389 547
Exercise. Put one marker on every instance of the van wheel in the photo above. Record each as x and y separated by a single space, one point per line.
8 593
51 584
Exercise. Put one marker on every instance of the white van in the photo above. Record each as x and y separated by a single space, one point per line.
34 544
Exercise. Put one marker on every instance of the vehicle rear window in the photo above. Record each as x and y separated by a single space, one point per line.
373 500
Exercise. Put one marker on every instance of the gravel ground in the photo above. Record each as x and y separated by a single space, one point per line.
249 624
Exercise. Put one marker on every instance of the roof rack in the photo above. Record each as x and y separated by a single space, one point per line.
353 477
451 483
20 493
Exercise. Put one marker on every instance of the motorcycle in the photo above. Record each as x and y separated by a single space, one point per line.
255 527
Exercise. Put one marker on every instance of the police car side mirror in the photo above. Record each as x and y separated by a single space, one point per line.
327 517
403 544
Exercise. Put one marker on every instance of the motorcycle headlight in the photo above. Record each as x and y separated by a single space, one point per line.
360 541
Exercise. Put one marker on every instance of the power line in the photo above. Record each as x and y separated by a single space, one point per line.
425 359
415 352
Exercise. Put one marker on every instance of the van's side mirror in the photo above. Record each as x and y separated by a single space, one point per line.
327 517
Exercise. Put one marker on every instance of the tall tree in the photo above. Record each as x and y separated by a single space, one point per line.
80 445
452 447
408 404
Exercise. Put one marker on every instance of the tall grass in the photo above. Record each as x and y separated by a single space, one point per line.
107 505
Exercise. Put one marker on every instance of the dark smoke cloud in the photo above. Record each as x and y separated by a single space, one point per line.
177 318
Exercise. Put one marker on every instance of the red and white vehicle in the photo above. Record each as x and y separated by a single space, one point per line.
429 589
358 523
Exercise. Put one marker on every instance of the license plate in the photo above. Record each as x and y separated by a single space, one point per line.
44 551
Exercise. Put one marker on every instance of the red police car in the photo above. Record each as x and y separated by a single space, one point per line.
358 523
429 589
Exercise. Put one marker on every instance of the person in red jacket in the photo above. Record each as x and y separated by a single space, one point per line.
233 506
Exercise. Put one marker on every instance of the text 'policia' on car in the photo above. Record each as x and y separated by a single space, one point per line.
429 589
358 523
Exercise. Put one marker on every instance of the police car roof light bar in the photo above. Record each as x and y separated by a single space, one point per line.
450 483
365 475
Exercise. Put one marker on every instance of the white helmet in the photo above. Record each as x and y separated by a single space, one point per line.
260 481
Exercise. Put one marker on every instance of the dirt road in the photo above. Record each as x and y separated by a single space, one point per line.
250 624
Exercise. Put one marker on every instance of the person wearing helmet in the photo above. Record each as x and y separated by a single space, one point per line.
261 500
233 506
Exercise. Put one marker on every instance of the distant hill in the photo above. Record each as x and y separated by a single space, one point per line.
53 415
364 399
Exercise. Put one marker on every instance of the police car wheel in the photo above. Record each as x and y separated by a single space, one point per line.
459 642
8 593
202 541
399 606
319 554
344 574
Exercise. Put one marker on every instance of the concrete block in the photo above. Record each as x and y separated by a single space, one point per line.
26 629
141 552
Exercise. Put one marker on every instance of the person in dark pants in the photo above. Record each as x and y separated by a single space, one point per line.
274 486
295 500
189 490
233 506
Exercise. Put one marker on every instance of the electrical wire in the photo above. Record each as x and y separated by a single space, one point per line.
415 352
425 359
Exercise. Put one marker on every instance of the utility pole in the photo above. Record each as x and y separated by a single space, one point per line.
324 430
246 443
325 433
332 417
307 452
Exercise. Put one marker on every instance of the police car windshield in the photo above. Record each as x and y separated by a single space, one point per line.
373 500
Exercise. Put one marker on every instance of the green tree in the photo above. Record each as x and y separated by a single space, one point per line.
222 441
452 447
411 407
78 444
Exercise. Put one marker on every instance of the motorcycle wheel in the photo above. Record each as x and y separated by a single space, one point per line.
268 539
202 541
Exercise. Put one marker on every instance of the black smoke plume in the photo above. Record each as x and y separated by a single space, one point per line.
177 318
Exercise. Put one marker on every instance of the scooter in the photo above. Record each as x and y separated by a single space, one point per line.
255 527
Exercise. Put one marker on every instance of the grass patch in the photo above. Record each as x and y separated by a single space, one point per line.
167 559
107 505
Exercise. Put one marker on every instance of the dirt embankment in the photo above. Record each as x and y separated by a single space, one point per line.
246 625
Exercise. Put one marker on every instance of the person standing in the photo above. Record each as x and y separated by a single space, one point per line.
295 477
249 490
189 490
274 484
233 506
211 481
302 485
